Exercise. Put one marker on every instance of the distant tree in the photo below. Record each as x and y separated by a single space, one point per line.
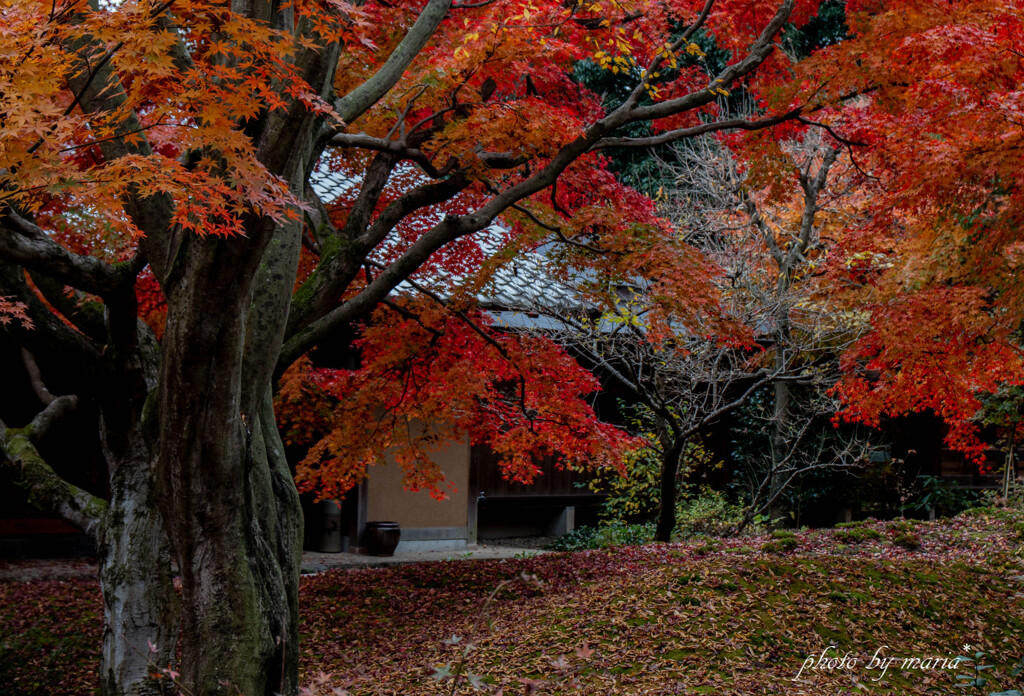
777 325
773 222
1004 410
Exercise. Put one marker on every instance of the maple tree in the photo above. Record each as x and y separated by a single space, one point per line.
931 95
160 162
773 214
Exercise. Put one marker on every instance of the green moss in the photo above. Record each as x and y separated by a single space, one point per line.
908 540
782 541
857 535
778 546
904 526
707 547
832 636
677 654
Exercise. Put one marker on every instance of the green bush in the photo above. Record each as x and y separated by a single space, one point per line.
633 497
636 496
709 513
607 535
941 495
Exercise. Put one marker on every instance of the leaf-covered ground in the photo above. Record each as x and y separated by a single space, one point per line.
701 617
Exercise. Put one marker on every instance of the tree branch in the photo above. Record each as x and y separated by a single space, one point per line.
759 51
18 448
681 133
392 147
28 245
36 378
363 97
46 488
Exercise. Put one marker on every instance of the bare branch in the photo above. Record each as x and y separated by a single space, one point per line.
35 378
54 411
711 127
393 147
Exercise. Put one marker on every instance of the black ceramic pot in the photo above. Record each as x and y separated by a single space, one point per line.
382 538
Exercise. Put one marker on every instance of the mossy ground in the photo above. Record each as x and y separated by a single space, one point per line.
660 619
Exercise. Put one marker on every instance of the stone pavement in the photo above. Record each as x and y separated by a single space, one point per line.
312 562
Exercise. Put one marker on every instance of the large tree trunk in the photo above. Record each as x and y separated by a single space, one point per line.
226 491
217 489
140 606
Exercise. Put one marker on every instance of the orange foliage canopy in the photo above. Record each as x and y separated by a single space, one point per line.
933 95
432 380
110 107
489 106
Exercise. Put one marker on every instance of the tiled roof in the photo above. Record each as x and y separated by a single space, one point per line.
519 284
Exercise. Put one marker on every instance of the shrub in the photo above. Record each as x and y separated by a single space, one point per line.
941 495
636 496
710 512
611 534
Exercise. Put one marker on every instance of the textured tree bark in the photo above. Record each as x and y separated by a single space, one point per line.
669 470
140 606
234 612
225 486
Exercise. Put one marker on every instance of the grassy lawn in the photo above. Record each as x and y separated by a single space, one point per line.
723 617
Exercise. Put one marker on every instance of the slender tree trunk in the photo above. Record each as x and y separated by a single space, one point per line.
780 441
1010 467
669 471
141 609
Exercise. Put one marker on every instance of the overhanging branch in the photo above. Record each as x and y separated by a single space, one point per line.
682 133
359 100
28 245
45 487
